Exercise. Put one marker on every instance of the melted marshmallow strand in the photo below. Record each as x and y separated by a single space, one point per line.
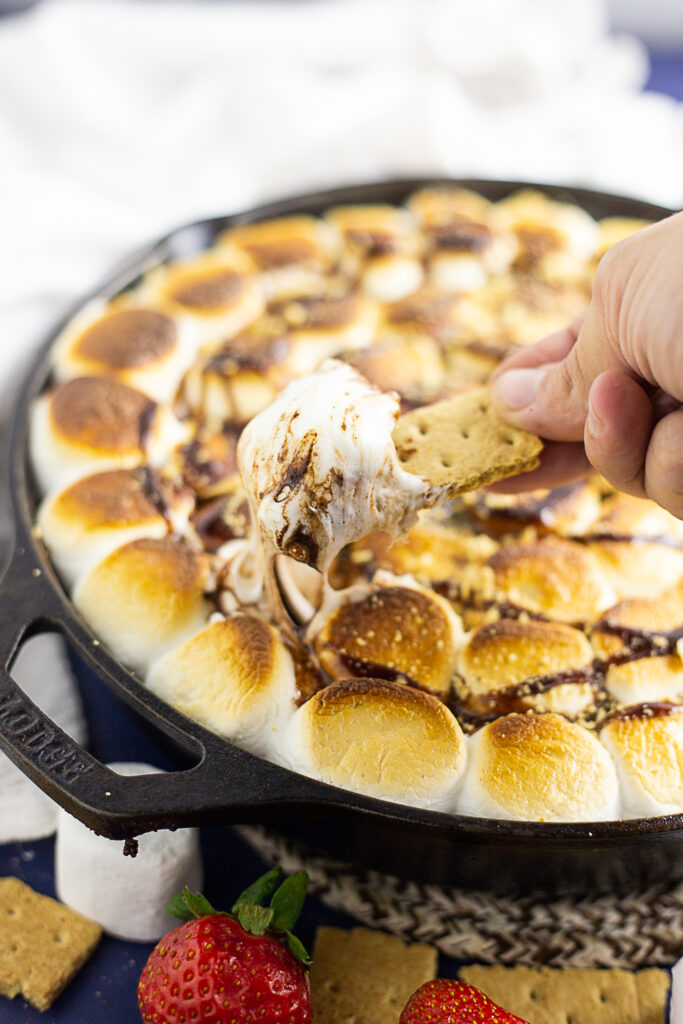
321 470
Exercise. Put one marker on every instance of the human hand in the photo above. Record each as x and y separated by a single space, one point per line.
607 392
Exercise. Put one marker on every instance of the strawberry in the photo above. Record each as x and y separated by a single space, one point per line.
453 1002
235 968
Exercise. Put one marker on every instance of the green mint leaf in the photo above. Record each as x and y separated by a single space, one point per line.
177 907
297 949
255 919
197 904
259 891
288 900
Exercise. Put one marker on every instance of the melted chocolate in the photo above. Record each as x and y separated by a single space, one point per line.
639 712
146 424
459 235
373 242
152 487
217 522
515 698
640 643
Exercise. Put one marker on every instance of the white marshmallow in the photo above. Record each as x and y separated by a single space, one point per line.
126 895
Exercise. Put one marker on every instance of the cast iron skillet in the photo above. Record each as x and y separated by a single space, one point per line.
228 785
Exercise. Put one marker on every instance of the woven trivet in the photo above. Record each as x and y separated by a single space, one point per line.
642 930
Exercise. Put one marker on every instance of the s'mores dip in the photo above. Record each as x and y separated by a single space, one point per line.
226 454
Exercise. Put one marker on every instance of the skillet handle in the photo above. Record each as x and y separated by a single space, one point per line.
228 785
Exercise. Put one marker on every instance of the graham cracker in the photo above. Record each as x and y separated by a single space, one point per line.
461 444
42 943
365 977
554 995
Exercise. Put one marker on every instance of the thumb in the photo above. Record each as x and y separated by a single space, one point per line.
551 399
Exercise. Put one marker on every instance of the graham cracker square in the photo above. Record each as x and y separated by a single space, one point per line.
553 995
42 943
365 977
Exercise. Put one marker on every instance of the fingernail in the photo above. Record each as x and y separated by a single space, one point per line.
517 389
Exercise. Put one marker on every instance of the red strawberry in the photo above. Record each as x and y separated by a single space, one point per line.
234 968
453 1002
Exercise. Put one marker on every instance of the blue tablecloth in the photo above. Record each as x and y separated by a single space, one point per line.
105 990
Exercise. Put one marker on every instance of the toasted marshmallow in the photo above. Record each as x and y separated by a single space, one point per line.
431 552
639 568
462 246
137 345
401 633
538 768
558 579
437 204
544 225
426 312
623 516
380 245
291 254
658 678
566 511
412 366
86 521
517 310
646 745
381 739
320 467
216 291
235 677
639 544
510 666
208 462
233 383
644 623
321 326
95 423
145 598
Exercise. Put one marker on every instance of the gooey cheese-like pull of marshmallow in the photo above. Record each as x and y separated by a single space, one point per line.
321 470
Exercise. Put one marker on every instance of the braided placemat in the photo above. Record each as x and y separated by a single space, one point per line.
642 930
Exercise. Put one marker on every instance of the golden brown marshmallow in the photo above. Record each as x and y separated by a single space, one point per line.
379 738
511 665
86 521
646 745
396 632
145 597
538 768
557 579
235 677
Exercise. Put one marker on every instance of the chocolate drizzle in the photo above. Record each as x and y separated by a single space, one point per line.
152 487
640 712
486 706
639 643
460 235
146 425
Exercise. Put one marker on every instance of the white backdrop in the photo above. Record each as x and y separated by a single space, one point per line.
120 118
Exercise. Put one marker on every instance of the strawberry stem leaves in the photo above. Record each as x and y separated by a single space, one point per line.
259 891
253 919
286 901
189 905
